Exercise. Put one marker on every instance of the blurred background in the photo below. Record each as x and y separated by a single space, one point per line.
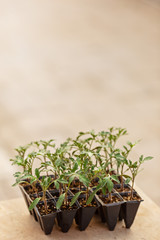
70 66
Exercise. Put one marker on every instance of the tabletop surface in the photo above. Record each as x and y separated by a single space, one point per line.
16 223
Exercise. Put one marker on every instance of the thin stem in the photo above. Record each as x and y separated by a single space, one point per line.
110 196
45 201
65 199
132 188
60 189
122 185
87 193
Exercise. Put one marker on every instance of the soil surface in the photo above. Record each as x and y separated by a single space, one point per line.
94 182
82 202
75 190
30 190
34 196
68 207
100 192
126 189
107 200
76 184
51 208
128 197
54 194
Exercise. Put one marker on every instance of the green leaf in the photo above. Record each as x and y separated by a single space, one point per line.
74 199
148 158
72 178
32 180
75 167
127 180
111 169
34 203
91 197
60 201
15 184
84 180
56 185
109 185
62 181
115 178
37 173
104 190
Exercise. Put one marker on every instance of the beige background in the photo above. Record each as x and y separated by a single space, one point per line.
67 66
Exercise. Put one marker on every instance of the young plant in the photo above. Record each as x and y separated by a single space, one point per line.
66 179
20 159
44 154
107 141
134 168
121 160
25 160
45 182
106 185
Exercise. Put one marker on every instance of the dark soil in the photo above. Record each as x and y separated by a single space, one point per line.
128 197
126 189
67 207
75 190
52 187
54 194
76 184
34 196
106 200
24 184
30 190
100 192
94 182
51 208
82 202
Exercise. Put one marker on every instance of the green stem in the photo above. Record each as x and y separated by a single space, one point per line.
122 185
110 196
65 199
132 189
45 201
87 193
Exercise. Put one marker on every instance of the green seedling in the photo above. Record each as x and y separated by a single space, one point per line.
134 168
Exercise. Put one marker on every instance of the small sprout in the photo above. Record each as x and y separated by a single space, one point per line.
134 168
34 203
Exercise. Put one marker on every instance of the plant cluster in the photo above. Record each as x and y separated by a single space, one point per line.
92 160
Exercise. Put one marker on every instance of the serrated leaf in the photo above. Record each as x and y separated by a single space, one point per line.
62 181
37 173
72 178
91 197
126 176
84 180
111 169
115 178
109 185
148 158
127 180
56 185
74 199
34 203
104 190
32 180
60 201
75 167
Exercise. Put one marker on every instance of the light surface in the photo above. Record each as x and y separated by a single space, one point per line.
16 223
67 66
